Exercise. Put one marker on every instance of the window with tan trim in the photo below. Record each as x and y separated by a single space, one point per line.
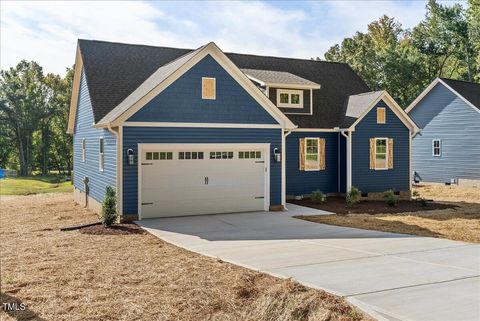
208 88
381 115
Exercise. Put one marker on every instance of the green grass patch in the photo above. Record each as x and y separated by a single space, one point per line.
34 185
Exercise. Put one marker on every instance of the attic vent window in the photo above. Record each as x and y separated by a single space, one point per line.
208 88
381 115
290 98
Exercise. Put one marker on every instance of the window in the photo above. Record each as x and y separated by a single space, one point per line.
381 153
436 147
221 155
208 88
290 98
251 154
101 155
381 115
190 155
311 154
84 149
159 155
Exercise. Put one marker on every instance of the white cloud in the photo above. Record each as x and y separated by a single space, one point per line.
47 31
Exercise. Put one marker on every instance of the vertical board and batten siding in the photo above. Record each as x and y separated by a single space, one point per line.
443 115
272 95
182 100
132 136
370 180
98 180
304 182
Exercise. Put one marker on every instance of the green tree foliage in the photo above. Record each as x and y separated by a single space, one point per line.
403 62
33 116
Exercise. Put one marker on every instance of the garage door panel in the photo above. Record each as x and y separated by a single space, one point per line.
177 187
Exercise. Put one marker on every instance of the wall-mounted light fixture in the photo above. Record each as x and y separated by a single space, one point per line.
130 157
277 155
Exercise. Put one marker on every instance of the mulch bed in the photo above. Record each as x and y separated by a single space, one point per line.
337 205
116 229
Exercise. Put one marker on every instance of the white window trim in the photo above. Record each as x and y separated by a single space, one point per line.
84 149
386 154
214 88
318 155
384 115
439 147
101 156
289 92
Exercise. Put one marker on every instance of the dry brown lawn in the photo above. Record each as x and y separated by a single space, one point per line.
461 223
75 276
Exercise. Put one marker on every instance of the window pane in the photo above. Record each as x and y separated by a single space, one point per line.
258 154
155 156
181 155
240 154
295 99
230 155
200 155
149 156
194 155
188 155
212 155
169 155
218 155
284 98
163 155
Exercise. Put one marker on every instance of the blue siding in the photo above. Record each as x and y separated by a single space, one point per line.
99 180
304 182
182 101
443 115
135 135
369 180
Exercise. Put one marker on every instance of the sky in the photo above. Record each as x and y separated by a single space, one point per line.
47 31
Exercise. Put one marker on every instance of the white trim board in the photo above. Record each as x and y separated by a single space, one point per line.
200 125
72 114
146 94
430 87
265 147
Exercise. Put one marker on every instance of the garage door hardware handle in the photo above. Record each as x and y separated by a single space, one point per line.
258 197
147 203
260 162
147 163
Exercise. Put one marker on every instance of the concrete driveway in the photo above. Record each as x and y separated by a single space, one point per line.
391 276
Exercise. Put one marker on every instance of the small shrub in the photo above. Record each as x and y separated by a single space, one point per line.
353 197
109 207
420 200
390 198
318 196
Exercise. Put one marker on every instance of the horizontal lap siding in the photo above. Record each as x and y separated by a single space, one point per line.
132 136
369 180
98 180
182 100
304 182
443 115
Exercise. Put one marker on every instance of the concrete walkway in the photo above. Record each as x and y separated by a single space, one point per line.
391 276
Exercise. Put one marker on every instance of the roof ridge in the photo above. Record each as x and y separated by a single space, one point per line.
132 44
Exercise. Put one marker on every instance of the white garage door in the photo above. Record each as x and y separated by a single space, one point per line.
205 179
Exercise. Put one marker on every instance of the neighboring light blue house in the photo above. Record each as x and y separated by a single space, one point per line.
447 150
188 132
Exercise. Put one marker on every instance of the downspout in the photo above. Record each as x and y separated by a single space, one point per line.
349 158
117 167
284 168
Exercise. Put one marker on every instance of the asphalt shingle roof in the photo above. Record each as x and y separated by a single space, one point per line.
278 77
469 90
114 71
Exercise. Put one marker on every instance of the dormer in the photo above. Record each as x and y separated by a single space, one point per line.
292 94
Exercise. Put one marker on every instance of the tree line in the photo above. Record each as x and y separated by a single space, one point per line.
446 43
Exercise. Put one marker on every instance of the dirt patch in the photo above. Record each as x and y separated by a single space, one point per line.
76 276
336 204
117 229
458 221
